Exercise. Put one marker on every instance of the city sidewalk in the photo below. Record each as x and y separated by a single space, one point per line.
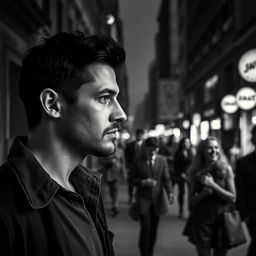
170 241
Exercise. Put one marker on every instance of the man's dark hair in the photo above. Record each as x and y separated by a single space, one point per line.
152 142
139 132
59 63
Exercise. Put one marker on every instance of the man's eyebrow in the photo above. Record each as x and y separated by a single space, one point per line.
108 91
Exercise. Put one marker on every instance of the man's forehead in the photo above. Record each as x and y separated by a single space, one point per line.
100 69
100 78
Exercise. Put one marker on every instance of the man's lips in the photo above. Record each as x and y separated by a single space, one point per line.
112 133
115 130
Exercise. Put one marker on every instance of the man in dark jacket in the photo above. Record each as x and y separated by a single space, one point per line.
154 190
246 189
49 203
133 150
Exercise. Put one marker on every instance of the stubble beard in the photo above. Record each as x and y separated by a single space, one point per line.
97 145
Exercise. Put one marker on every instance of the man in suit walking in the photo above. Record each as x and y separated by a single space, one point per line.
246 188
133 150
151 178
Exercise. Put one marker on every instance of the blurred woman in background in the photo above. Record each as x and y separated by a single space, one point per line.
211 190
182 160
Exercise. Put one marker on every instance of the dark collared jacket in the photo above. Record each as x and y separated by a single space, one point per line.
245 180
31 222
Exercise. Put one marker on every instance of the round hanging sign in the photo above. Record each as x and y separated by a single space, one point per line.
246 98
247 66
229 104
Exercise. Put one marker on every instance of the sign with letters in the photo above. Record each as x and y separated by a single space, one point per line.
246 98
229 104
247 66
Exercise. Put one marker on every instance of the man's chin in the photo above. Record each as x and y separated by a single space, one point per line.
106 151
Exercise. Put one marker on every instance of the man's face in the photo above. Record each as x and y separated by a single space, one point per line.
139 136
151 151
90 125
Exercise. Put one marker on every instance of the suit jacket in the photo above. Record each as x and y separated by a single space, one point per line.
145 196
130 153
245 180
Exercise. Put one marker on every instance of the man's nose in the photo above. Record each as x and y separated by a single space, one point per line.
118 113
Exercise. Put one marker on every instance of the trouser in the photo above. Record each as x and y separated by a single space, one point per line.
113 191
130 185
252 231
181 194
148 232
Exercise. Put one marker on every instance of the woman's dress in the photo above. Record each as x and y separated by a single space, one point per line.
203 227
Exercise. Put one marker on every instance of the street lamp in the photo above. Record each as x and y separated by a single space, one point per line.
110 19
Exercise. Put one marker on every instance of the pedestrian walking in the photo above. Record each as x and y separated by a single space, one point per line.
245 181
182 160
132 150
168 150
212 190
114 170
49 203
154 190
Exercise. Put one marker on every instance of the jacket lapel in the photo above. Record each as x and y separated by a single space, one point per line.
155 166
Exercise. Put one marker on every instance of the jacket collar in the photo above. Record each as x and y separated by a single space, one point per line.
36 183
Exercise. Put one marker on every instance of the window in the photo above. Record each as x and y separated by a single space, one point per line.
210 88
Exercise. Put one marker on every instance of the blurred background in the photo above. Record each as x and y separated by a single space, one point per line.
190 71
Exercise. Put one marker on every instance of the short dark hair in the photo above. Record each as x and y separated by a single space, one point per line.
139 132
253 130
59 63
152 142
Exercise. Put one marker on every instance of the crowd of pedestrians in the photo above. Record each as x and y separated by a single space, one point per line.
156 167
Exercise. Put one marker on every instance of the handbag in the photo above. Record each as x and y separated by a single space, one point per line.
133 212
233 229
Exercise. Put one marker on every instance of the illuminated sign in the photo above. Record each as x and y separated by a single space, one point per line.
247 66
185 124
246 98
196 119
209 112
229 104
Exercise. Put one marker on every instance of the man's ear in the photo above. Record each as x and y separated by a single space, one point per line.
50 102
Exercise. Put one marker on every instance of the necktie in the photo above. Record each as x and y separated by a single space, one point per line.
137 149
151 165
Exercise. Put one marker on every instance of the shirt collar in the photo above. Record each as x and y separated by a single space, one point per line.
36 183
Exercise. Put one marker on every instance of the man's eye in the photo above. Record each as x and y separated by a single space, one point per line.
105 99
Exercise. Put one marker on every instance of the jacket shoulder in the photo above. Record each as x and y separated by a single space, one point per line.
5 175
12 196
161 158
247 158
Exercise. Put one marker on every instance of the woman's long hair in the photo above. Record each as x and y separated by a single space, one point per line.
181 144
199 160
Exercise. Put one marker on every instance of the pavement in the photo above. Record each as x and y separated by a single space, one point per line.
170 241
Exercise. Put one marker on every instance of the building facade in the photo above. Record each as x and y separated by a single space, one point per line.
215 34
164 71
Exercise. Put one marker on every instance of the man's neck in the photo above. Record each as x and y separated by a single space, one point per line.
54 158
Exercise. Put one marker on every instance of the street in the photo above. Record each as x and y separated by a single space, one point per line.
170 241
